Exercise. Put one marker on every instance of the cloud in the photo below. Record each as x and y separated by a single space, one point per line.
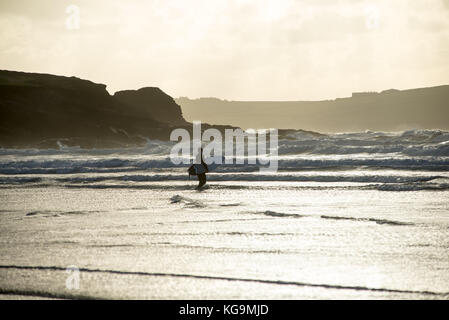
235 49
446 3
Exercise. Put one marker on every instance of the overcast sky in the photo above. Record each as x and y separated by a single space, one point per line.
232 49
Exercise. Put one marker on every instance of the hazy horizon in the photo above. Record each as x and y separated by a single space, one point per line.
233 50
317 100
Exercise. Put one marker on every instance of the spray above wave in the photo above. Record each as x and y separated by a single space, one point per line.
410 143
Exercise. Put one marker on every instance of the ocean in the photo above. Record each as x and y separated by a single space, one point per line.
347 216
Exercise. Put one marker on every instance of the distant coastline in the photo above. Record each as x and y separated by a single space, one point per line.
388 110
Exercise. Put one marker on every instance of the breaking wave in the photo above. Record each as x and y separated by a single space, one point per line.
117 165
398 161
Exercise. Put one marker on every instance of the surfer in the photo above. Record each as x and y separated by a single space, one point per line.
202 176
199 170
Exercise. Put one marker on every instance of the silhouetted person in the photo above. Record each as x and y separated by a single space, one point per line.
202 176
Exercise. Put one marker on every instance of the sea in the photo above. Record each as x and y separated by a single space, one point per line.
361 215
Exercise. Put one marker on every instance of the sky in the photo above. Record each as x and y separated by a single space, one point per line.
232 49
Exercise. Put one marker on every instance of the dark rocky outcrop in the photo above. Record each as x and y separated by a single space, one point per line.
38 110
152 102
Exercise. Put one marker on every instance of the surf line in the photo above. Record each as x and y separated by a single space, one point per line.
194 276
254 140
46 294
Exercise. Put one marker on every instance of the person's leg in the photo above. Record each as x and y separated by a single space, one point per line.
202 180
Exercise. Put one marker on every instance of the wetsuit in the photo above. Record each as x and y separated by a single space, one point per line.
202 176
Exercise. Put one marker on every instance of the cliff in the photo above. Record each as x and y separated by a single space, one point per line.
390 110
152 102
38 110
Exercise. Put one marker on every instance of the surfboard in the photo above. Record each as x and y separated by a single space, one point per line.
199 168
196 169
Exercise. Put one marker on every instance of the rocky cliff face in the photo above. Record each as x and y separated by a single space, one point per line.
152 102
38 110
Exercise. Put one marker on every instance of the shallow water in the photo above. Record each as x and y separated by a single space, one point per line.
332 226
335 243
